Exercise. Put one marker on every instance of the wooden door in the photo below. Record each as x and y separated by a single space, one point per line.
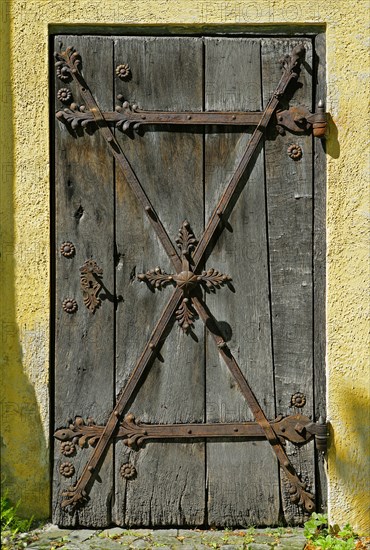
268 242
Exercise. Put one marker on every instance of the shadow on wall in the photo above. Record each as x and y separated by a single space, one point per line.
25 467
349 466
331 144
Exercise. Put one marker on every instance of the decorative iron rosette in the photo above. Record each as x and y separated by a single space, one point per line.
128 471
294 151
68 249
69 305
123 71
68 448
67 469
298 400
64 95
62 72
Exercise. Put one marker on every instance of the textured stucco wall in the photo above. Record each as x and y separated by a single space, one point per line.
25 265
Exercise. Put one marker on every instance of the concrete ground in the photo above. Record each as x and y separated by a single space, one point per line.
53 538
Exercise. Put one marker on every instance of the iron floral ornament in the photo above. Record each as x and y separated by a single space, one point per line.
186 280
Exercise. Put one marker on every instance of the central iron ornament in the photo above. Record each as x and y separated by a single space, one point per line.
186 280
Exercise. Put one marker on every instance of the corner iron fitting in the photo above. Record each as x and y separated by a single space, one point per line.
299 120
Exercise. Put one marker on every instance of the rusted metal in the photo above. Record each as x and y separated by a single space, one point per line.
186 279
68 63
320 430
127 117
67 469
294 151
64 95
90 285
69 305
299 120
123 71
128 471
298 400
68 249
297 429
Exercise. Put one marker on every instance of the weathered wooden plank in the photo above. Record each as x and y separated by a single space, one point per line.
289 202
84 347
319 265
169 488
242 477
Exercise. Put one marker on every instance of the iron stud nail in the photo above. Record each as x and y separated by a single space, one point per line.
151 345
236 430
148 209
219 213
90 468
110 139
189 432
221 344
189 117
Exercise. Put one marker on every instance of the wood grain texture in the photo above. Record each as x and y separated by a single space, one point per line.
242 477
84 349
319 264
289 201
169 487
272 314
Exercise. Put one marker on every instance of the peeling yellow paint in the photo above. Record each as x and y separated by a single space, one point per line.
25 236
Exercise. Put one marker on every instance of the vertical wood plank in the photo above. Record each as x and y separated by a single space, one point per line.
242 477
84 348
290 228
319 265
169 487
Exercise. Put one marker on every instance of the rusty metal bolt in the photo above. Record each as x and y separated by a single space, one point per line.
70 305
294 151
298 400
68 448
128 471
123 71
64 95
67 469
68 250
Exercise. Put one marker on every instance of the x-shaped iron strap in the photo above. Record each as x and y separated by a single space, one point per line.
69 63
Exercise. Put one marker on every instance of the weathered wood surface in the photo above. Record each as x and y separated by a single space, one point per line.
289 204
267 315
319 265
242 477
170 484
84 344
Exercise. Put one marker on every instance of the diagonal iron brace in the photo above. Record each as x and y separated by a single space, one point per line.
77 494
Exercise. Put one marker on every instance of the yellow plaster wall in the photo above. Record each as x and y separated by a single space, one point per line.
25 266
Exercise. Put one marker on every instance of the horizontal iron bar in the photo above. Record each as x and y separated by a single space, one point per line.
126 117
295 428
